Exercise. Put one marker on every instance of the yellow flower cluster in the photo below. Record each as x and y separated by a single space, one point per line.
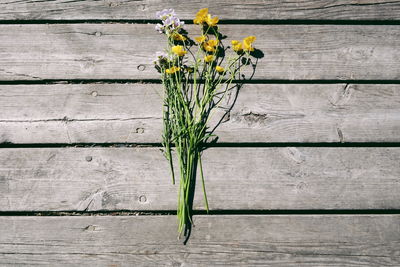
203 17
209 46
246 45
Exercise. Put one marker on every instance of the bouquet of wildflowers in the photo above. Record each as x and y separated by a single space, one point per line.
197 74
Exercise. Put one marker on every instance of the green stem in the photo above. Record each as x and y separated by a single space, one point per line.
203 183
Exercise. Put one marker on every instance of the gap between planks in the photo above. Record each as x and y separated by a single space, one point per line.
202 212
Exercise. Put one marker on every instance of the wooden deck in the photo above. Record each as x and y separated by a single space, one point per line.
306 172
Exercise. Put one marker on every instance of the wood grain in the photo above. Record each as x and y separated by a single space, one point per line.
237 178
126 51
118 113
89 179
307 240
225 9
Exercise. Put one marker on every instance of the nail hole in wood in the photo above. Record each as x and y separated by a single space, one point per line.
139 130
142 199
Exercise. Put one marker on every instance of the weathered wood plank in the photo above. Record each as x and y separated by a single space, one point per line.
301 240
225 9
126 51
118 113
40 179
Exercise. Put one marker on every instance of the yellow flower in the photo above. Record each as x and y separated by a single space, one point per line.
178 50
219 69
200 39
210 45
208 58
172 70
178 37
213 42
247 43
208 48
237 46
211 21
201 16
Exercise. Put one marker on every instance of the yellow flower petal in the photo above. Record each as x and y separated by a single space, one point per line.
211 21
210 45
208 58
202 12
249 39
201 16
213 42
247 43
236 45
198 20
248 48
238 48
219 69
208 48
200 39
178 50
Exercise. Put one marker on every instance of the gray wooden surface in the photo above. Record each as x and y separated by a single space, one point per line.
88 179
279 240
225 9
330 74
107 113
126 51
